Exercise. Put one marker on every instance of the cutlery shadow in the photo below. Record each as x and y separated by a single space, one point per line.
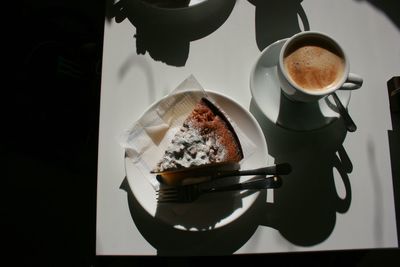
304 210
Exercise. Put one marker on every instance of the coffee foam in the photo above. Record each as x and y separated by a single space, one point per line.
314 66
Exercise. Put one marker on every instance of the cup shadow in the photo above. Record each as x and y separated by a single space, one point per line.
166 33
389 8
170 241
278 19
305 208
295 115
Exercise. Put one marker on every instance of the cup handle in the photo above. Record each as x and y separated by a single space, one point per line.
353 82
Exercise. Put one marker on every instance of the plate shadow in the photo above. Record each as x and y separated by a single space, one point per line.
170 241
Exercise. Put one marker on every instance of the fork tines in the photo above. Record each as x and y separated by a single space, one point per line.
177 194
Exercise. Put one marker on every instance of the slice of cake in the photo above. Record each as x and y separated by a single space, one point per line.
206 140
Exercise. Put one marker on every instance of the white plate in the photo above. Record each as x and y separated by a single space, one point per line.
266 92
213 210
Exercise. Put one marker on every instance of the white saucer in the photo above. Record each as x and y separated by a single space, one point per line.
210 211
268 96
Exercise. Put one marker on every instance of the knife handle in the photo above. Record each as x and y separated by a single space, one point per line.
264 183
279 169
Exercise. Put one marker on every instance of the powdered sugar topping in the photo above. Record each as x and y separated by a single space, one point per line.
190 148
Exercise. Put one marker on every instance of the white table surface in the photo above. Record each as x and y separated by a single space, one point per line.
222 61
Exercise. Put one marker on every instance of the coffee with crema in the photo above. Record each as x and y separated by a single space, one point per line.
313 64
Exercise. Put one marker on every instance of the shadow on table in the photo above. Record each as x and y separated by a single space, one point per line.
393 86
170 241
166 33
304 209
389 7
204 214
135 63
278 19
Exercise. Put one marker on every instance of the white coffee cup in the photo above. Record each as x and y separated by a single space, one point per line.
313 65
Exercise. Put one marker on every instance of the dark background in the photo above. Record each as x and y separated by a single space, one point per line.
49 147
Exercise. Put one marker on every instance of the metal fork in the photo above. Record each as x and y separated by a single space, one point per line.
189 193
